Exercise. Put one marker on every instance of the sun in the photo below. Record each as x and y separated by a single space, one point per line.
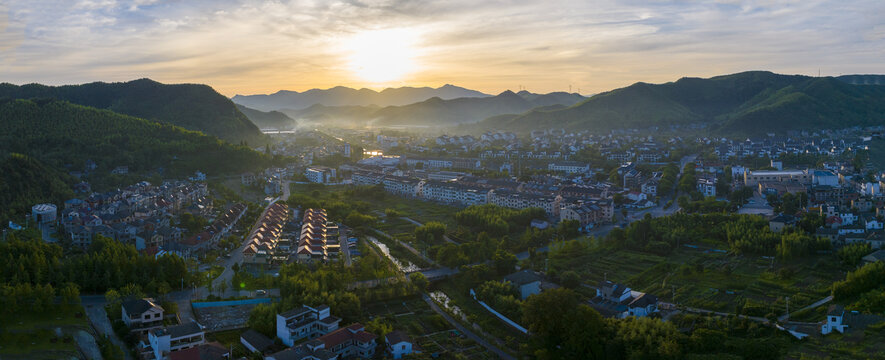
382 56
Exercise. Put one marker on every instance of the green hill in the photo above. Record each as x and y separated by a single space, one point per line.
191 106
268 120
748 103
24 182
61 135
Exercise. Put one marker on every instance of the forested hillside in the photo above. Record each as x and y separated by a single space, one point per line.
749 103
191 106
62 136
24 181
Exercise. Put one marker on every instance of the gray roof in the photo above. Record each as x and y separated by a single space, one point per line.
396 337
878 255
138 306
523 277
177 331
301 352
256 339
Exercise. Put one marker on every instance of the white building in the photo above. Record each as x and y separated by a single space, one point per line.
571 167
320 174
305 323
399 344
174 338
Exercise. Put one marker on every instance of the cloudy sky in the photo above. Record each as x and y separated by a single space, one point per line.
247 47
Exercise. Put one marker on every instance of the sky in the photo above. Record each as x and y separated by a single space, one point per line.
251 47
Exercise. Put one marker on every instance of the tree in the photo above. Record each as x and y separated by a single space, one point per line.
431 232
419 280
504 261
570 279
571 331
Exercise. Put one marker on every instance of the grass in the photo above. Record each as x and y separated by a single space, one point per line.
32 335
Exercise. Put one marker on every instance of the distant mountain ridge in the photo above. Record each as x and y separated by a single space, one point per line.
345 96
268 120
748 103
434 111
191 106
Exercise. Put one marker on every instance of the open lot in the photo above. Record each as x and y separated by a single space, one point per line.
44 335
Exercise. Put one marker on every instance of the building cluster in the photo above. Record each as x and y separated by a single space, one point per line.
140 215
619 301
265 245
319 239
324 339
587 203
144 318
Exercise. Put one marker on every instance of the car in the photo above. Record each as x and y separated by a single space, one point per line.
260 292
227 256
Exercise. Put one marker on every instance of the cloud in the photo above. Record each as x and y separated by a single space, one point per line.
240 46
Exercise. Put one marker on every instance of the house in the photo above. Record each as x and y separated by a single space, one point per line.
619 301
305 323
778 223
255 341
526 281
350 342
164 341
835 313
142 314
399 344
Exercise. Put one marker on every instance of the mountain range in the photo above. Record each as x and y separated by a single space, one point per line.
268 119
434 111
345 96
748 103
191 106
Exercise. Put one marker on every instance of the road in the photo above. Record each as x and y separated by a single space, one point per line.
236 257
820 302
99 319
501 354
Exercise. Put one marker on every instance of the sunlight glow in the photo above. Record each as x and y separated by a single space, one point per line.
381 56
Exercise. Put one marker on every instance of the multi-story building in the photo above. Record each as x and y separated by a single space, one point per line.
753 178
305 323
517 200
320 174
142 315
164 341
453 193
571 167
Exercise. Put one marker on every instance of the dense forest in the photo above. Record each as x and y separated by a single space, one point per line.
107 264
25 181
191 106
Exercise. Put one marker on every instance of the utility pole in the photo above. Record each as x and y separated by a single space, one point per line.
545 264
673 287
788 307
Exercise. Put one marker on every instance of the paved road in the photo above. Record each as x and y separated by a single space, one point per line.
87 344
345 247
820 302
99 319
501 354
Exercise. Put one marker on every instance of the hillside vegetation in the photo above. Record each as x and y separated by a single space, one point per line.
749 103
191 106
24 182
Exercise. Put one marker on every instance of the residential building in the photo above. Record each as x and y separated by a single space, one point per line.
570 167
517 200
320 174
305 323
164 341
142 314
350 342
619 301
753 178
399 344
527 283
255 341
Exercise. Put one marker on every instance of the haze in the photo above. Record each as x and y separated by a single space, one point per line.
251 47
